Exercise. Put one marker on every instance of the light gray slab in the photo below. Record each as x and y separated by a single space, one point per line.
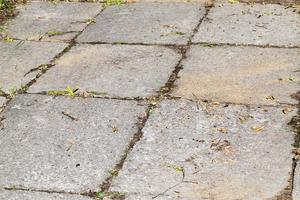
296 188
27 195
249 75
36 19
17 58
42 148
119 70
257 24
165 23
239 162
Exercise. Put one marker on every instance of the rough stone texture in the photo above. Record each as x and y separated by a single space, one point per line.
165 23
235 163
36 19
41 148
17 58
240 74
251 24
119 70
24 195
2 101
296 189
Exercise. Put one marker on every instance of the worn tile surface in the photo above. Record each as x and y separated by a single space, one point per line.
44 20
119 70
240 75
42 148
257 24
221 154
24 195
2 101
18 58
165 23
296 189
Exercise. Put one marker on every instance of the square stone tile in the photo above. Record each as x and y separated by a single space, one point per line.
43 148
17 58
210 152
165 23
51 21
26 195
296 189
256 24
118 70
248 75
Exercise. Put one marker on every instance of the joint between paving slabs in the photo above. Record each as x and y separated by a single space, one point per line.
20 188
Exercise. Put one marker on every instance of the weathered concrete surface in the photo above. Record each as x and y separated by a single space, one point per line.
2 101
165 23
251 24
296 189
44 20
119 70
24 195
240 75
225 152
42 148
17 58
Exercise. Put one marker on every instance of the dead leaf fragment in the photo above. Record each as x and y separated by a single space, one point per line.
257 129
287 109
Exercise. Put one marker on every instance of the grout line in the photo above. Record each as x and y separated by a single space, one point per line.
47 191
205 44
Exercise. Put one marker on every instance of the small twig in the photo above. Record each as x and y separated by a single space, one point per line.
182 180
71 117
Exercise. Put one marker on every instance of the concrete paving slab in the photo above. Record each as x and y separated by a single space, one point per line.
210 152
118 70
17 58
256 24
44 20
28 195
164 23
64 144
296 189
248 75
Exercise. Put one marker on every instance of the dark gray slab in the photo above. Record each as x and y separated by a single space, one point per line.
222 154
118 70
257 24
42 148
296 189
36 19
17 58
27 195
166 23
248 75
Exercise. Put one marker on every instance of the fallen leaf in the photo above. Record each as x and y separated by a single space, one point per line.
257 129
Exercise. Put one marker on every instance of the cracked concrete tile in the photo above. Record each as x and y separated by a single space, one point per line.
29 195
210 152
17 58
44 20
296 188
248 75
44 149
119 70
165 23
256 24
